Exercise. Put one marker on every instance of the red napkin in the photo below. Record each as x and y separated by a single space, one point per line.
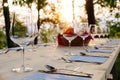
70 31
86 33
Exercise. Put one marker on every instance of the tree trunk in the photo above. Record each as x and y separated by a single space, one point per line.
38 21
90 11
7 23
38 24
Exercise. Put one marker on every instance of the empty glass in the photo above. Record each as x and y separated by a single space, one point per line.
23 33
83 32
69 36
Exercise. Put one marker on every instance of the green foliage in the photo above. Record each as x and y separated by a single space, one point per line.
117 34
41 4
20 28
109 3
118 66
2 40
117 15
47 34
114 29
23 2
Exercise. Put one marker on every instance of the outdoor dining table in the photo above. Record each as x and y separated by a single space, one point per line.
55 56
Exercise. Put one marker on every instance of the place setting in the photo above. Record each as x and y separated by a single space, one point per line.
99 50
54 73
59 40
88 59
82 30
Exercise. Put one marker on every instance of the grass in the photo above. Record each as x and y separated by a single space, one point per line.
118 66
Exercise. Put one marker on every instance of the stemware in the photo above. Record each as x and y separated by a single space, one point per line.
107 32
83 32
96 32
55 34
23 35
93 30
70 37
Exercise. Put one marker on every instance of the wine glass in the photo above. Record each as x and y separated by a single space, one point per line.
93 32
55 34
69 36
107 32
23 35
83 32
32 32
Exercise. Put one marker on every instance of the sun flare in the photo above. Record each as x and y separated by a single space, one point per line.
67 9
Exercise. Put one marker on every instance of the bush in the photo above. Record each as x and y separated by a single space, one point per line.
114 29
2 40
118 66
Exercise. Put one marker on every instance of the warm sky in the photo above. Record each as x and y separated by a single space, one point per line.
66 11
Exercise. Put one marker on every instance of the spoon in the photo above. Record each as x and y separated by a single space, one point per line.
53 69
96 47
82 53
68 61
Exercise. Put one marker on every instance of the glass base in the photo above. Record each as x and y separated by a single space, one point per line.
19 70
69 54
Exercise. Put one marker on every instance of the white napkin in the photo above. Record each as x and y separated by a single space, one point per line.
107 46
100 50
1 51
14 48
95 59
48 76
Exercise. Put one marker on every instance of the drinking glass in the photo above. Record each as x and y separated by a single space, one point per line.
107 32
83 32
93 32
69 37
23 34
55 34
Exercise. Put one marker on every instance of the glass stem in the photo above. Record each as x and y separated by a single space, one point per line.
83 43
70 47
23 58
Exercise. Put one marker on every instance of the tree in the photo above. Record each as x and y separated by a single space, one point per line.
90 11
90 7
7 22
40 4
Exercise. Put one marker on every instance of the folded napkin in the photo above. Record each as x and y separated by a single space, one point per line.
112 43
14 48
93 59
48 76
1 51
100 50
18 48
107 46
